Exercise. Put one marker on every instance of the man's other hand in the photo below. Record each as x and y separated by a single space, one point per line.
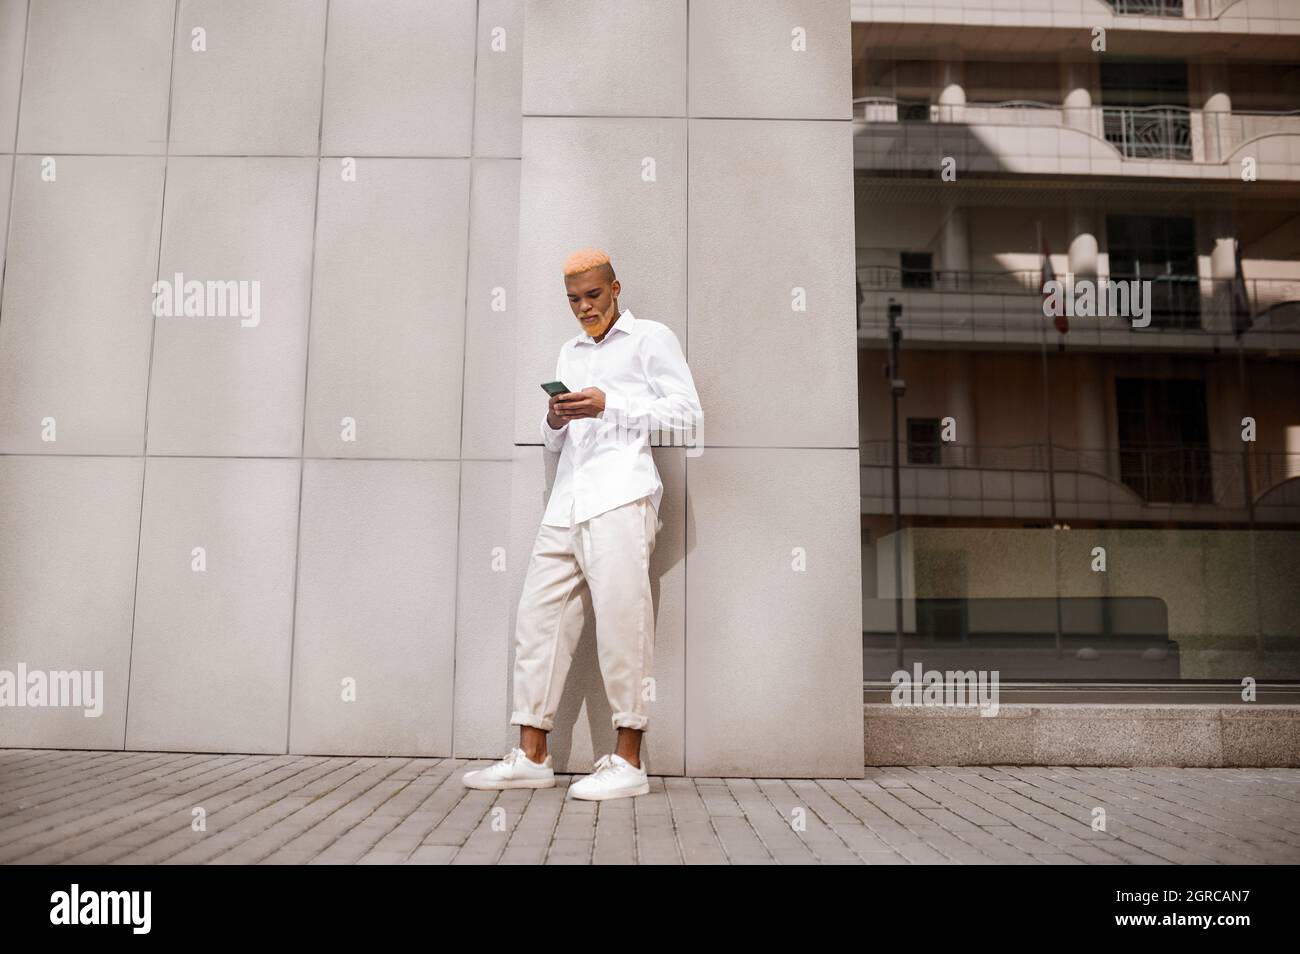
589 402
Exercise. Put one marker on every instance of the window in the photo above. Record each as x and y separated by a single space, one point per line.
1163 251
1164 447
1144 82
917 269
923 440
1144 108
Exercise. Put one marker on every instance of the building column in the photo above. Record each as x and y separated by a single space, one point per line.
1083 242
960 406
1090 416
1223 260
1077 82
1216 112
954 250
952 88
1223 268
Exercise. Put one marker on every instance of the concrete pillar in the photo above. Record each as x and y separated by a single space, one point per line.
1223 261
1090 415
1077 83
1083 242
952 87
960 405
1215 227
1216 111
954 250
1223 267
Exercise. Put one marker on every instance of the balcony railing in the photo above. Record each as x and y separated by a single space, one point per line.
1149 132
1029 112
1012 301
1174 474
1158 132
1147 8
1170 8
1168 474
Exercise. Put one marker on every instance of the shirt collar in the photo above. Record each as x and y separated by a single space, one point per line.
625 322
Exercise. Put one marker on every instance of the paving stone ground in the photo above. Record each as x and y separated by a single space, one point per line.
114 807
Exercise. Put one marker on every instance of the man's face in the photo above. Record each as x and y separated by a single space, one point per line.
594 300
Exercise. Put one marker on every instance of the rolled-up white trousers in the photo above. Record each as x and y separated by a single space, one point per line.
609 556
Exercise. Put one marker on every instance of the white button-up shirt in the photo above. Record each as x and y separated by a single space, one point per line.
605 461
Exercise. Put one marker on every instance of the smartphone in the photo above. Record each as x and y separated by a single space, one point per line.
554 387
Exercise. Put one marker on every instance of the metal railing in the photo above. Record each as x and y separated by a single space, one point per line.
1011 300
1149 132
1160 131
1147 8
1168 474
1177 474
1029 112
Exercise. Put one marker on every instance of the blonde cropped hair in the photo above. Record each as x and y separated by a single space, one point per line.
584 260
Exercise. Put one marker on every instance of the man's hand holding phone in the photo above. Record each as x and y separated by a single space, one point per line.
567 405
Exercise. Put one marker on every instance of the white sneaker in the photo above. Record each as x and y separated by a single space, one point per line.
516 770
613 777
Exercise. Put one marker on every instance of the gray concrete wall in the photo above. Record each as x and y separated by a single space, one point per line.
360 162
243 523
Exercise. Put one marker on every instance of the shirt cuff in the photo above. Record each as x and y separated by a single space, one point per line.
551 436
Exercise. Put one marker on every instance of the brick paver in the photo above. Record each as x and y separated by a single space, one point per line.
153 807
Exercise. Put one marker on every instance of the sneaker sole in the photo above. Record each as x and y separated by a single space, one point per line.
514 783
642 789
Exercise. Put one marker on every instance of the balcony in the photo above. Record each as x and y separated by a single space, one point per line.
1005 308
1162 27
1148 8
1179 9
1148 132
1193 485
1033 137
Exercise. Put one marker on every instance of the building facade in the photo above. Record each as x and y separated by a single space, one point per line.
1105 506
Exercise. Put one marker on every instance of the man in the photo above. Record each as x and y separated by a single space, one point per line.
598 531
